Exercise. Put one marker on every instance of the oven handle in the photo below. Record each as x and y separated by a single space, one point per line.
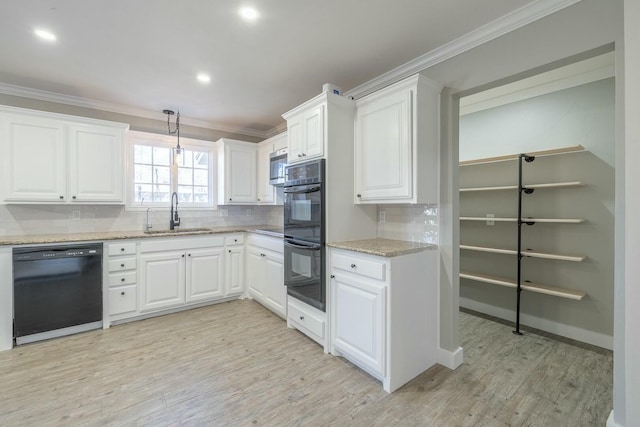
308 247
305 191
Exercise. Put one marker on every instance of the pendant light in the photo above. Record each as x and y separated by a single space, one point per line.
177 150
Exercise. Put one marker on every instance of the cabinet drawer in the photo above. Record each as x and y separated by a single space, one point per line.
122 248
122 278
234 240
116 265
306 320
122 299
360 266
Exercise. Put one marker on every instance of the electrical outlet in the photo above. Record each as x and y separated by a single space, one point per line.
224 212
382 216
491 222
75 215
249 212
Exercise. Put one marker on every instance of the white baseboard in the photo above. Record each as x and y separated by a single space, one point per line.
611 422
568 331
450 359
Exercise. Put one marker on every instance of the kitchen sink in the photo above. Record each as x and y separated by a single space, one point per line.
178 231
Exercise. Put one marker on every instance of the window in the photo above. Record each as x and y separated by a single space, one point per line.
156 173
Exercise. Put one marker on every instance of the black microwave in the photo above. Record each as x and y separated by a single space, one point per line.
277 166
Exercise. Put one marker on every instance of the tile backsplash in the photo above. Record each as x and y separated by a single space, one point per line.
415 223
52 219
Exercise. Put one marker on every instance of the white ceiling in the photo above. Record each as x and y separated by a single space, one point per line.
145 54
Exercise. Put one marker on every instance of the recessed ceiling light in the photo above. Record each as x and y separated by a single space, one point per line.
45 35
249 13
203 78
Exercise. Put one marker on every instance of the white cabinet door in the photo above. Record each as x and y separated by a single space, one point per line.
34 159
234 268
275 293
313 133
205 274
162 280
383 148
265 190
359 313
305 133
295 141
255 272
237 165
96 166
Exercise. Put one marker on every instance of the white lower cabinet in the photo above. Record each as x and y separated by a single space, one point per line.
234 265
359 313
384 313
265 273
122 299
307 319
162 280
122 279
205 274
182 271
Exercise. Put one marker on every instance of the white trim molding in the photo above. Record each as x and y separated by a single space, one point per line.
590 70
494 29
568 331
43 95
611 422
450 359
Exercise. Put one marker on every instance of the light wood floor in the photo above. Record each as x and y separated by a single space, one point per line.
236 364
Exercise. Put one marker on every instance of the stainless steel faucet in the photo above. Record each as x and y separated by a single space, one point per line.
175 219
148 225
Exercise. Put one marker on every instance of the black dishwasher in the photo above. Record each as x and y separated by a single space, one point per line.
57 290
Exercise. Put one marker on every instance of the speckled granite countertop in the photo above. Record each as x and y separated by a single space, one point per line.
383 247
269 230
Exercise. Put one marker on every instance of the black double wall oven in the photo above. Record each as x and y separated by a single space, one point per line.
304 233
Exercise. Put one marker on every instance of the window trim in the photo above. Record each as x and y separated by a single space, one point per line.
167 141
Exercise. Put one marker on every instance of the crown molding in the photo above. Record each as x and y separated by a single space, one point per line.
42 95
590 70
494 29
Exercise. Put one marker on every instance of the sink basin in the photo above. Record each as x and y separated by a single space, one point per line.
178 231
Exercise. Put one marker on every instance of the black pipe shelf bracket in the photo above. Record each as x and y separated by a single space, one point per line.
521 189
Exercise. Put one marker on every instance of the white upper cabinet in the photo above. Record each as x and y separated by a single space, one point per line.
309 125
237 177
34 159
396 143
57 158
95 153
267 192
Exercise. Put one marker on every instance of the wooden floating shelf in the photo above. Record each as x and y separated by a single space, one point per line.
541 220
531 254
532 287
535 186
563 150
